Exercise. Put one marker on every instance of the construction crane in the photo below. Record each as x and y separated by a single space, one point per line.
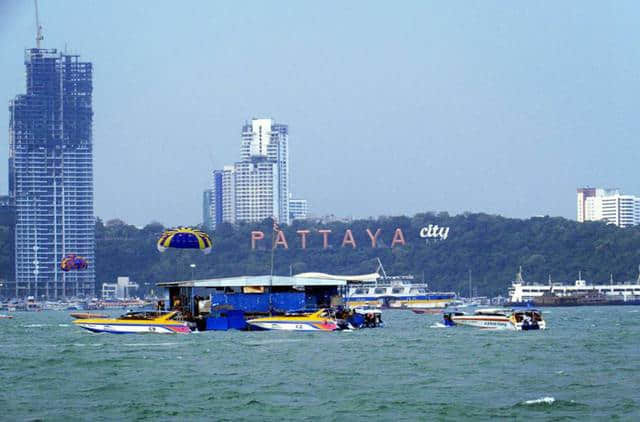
39 36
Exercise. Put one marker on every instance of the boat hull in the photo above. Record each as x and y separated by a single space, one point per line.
115 328
494 323
399 303
293 325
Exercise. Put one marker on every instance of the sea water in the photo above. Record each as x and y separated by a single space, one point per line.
585 366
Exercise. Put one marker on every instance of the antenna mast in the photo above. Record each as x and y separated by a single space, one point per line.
39 36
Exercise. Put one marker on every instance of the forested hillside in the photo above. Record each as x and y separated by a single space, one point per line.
492 247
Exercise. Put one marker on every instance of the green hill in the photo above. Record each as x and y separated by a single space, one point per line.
492 247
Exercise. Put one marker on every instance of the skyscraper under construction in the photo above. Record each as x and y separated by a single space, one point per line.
51 175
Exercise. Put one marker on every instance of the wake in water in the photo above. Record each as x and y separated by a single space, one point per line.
542 400
438 325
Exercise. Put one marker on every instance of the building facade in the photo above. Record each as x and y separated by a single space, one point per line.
608 205
298 209
51 175
257 186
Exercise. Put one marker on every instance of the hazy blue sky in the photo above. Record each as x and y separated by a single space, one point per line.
393 107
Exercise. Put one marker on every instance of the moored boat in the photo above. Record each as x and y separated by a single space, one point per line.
321 320
154 322
498 319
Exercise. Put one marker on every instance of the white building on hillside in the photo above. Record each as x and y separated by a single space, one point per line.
596 204
298 209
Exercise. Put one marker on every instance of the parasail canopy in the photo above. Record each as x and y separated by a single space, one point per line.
73 262
184 238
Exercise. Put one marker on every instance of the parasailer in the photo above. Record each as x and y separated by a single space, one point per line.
73 262
184 238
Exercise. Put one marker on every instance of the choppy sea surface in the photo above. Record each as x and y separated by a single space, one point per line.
586 366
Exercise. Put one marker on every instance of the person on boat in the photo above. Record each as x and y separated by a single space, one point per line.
356 319
177 304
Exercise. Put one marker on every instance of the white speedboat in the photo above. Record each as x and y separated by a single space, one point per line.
498 319
154 322
321 320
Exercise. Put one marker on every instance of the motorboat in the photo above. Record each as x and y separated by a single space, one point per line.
320 320
5 316
366 317
498 319
154 322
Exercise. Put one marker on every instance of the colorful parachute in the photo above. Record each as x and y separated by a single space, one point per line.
184 238
73 262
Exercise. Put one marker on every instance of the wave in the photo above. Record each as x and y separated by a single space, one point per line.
542 400
438 325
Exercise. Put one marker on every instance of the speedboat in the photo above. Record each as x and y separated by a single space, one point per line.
155 322
321 320
498 319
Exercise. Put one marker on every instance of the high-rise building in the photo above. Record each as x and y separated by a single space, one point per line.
257 186
298 209
219 200
262 174
228 194
208 212
609 205
51 175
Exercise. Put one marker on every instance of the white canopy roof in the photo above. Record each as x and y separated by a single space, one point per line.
348 278
260 280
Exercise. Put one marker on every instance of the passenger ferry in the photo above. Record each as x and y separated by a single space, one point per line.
579 293
378 290
397 293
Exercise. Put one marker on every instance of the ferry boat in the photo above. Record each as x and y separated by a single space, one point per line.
383 292
399 292
498 319
321 320
153 322
578 294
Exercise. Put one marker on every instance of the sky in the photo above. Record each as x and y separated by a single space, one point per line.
393 108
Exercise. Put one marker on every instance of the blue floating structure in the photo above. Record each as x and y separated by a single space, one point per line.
224 303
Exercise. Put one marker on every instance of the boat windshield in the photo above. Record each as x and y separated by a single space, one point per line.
493 312
143 315
532 315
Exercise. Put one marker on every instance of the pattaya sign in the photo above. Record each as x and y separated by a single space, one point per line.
280 240
431 232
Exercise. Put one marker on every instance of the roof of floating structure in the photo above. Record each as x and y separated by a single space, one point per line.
349 278
258 280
